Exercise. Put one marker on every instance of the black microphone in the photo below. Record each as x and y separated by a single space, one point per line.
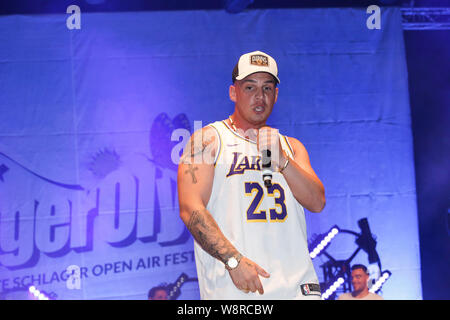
266 170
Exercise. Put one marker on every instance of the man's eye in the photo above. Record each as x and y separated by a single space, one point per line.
268 88
249 88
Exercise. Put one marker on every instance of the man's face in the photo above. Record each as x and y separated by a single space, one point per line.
254 97
359 279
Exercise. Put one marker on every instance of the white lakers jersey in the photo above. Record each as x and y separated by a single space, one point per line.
266 225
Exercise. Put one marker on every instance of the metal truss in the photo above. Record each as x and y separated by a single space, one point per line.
425 18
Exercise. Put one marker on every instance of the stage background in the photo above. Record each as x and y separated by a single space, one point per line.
86 178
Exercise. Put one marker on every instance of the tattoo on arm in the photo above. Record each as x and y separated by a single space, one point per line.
206 232
195 154
191 170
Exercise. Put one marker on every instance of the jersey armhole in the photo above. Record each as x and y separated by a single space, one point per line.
289 145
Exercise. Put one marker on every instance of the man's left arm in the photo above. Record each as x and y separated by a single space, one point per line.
306 187
301 178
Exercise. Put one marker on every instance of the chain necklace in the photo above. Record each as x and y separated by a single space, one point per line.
235 130
232 124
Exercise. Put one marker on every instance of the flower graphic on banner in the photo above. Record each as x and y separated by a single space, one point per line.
104 162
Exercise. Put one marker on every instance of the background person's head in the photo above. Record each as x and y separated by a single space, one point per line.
158 293
360 278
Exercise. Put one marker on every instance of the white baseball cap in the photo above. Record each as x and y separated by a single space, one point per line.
252 62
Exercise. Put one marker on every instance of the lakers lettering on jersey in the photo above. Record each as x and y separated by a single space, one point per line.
267 225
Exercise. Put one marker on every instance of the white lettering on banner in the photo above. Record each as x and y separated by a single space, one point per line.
53 221
126 206
374 20
17 234
185 134
74 279
178 148
147 226
74 275
116 211
40 279
74 20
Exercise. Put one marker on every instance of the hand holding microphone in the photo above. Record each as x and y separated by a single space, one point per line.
270 147
266 167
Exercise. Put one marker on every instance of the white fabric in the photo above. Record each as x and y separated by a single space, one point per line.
278 243
256 61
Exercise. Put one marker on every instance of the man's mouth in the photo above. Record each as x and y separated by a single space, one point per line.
259 109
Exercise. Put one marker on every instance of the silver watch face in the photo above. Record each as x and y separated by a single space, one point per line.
232 263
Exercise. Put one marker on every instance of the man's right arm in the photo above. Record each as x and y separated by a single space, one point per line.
195 180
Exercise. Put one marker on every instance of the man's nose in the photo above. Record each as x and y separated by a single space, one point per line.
259 93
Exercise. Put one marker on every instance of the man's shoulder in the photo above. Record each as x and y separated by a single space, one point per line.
374 296
292 140
346 296
208 130
212 128
370 296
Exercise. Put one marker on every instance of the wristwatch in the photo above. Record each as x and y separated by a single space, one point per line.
233 262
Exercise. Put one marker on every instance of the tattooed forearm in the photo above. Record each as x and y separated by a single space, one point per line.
206 232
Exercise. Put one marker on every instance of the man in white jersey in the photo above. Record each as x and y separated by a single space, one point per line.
249 236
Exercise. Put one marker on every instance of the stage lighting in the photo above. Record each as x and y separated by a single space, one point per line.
333 288
324 242
174 289
37 294
377 286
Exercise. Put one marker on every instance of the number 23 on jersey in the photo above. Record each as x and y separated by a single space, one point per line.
276 214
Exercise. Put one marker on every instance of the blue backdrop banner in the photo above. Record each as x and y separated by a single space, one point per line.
92 121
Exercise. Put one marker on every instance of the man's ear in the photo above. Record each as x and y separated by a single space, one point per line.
276 94
232 93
